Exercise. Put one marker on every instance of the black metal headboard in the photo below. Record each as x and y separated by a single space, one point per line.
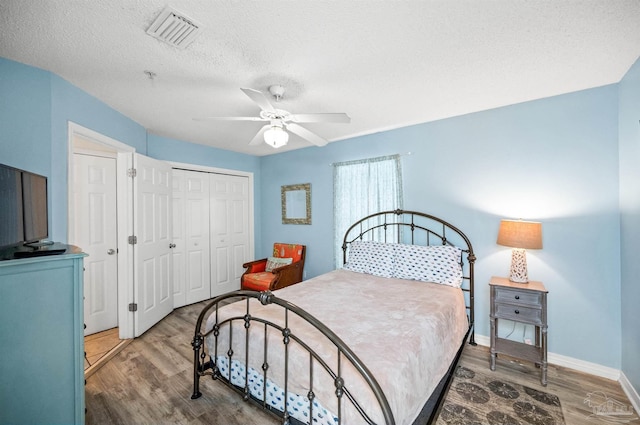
417 228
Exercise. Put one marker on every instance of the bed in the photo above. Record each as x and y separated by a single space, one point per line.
373 342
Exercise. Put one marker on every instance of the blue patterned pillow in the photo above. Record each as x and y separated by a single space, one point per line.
438 263
371 257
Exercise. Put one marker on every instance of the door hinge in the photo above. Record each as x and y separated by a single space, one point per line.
133 307
133 240
132 172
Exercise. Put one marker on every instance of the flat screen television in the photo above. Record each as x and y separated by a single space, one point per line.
23 207
34 207
11 215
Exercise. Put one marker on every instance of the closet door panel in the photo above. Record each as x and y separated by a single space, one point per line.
220 240
240 225
222 271
239 258
178 238
197 231
230 230
219 220
192 247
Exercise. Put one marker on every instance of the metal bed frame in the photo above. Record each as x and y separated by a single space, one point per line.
390 226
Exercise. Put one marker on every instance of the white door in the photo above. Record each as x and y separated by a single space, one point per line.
229 231
153 292
178 238
191 237
95 231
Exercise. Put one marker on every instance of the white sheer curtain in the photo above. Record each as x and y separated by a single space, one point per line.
361 188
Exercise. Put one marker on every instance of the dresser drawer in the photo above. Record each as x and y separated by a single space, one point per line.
519 313
518 297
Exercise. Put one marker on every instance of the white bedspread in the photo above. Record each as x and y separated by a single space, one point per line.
405 332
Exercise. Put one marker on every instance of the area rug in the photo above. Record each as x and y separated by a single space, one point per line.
476 398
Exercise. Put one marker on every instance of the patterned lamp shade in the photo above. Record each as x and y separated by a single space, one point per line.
520 235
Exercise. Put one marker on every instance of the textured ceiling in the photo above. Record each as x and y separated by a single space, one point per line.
387 64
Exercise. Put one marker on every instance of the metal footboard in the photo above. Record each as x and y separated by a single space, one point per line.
205 364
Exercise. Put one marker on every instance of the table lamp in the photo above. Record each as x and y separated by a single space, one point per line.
520 235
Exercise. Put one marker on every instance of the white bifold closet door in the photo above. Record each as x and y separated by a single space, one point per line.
210 234
191 280
229 220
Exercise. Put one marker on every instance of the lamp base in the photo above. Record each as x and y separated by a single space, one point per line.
518 271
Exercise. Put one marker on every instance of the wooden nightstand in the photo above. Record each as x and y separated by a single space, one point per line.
523 303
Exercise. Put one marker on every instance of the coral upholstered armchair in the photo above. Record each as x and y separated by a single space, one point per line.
283 269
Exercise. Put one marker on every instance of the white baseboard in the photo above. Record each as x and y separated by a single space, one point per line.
630 391
570 362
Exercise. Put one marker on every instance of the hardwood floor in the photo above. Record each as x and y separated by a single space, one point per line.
99 348
99 344
150 382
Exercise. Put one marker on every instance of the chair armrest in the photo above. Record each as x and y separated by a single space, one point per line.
287 275
255 266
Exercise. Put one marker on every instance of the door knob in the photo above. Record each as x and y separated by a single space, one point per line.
172 245
111 251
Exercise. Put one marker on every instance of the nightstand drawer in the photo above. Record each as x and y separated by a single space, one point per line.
519 313
519 297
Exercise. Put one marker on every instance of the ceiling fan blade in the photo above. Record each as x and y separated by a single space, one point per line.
259 97
306 134
322 117
230 119
259 137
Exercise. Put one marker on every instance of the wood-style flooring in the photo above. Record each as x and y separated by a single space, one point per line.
99 348
150 382
98 345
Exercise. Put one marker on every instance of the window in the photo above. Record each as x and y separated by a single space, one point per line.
361 188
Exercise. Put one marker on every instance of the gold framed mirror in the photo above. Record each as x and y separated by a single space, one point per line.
296 204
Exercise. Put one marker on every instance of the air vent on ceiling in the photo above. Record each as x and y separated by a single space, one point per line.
174 28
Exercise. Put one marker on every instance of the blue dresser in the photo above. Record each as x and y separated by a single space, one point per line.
41 340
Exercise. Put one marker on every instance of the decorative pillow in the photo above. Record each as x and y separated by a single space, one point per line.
275 262
437 263
370 257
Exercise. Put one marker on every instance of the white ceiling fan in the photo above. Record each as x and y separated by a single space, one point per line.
274 133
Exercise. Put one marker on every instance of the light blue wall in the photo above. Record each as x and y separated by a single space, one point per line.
629 122
553 160
25 117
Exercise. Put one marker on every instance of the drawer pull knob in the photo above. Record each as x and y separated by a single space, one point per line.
517 311
517 297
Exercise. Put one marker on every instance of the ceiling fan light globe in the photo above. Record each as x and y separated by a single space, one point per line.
276 137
